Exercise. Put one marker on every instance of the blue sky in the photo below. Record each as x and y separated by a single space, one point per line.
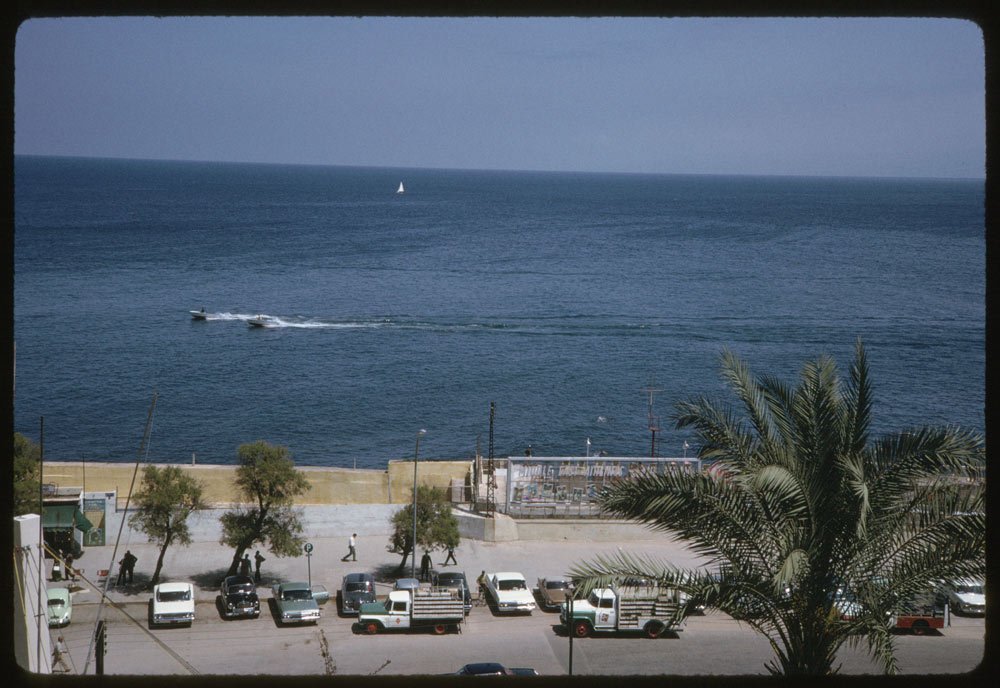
855 97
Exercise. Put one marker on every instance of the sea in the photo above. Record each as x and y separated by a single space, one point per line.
580 307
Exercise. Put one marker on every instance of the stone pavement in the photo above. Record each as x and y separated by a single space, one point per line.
205 561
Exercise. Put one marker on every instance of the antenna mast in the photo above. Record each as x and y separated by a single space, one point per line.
491 475
654 421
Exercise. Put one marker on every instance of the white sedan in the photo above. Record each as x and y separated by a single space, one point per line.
172 603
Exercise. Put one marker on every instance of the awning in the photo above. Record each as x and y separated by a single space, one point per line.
65 516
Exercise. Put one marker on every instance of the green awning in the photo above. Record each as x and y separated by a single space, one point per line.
65 516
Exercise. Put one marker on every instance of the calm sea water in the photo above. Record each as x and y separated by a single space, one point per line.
561 297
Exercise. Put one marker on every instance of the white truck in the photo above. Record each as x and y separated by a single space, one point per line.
648 610
439 609
508 591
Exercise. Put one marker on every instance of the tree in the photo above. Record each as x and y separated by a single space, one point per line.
268 484
799 504
27 458
166 497
437 527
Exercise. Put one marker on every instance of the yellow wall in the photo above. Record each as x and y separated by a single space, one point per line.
328 485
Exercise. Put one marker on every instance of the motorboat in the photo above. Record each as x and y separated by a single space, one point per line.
259 321
199 315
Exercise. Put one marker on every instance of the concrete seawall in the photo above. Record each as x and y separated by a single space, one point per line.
344 500
332 486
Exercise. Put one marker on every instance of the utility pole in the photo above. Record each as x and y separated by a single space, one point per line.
654 422
491 475
101 643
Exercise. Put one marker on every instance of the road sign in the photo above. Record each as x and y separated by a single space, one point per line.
308 548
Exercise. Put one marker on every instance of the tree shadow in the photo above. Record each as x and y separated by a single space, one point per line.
389 573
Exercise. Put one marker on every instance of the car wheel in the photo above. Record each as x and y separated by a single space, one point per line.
957 607
371 628
654 629
919 627
581 629
440 629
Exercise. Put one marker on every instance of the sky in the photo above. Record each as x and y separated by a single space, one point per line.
843 97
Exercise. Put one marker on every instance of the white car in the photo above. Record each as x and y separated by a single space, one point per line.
510 592
967 596
60 606
172 603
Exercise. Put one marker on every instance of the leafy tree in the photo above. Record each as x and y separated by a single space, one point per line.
268 484
437 527
166 497
799 503
27 457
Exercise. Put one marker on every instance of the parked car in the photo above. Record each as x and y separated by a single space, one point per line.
455 579
60 606
552 591
238 596
494 669
294 603
406 584
172 603
355 590
967 596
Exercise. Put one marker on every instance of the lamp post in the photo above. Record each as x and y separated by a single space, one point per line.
416 452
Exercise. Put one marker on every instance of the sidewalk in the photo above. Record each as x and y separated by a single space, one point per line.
205 563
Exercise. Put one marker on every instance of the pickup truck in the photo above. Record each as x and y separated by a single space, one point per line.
646 610
918 615
440 609
508 592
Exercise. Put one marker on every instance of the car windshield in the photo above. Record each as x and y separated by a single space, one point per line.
557 585
55 603
296 595
511 585
241 587
966 588
174 596
363 586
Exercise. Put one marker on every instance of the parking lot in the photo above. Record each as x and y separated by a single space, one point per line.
709 644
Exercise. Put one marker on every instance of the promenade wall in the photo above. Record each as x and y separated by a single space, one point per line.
328 485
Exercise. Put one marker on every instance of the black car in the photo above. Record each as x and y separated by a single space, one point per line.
494 669
355 590
454 579
239 597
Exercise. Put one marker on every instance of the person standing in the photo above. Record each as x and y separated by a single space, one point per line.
130 562
451 557
245 566
425 566
352 551
258 559
123 569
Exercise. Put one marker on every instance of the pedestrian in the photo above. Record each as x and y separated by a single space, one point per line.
451 557
123 569
59 655
258 560
70 573
425 565
352 551
130 562
482 586
245 565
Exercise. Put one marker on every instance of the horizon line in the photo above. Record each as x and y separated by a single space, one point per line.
501 169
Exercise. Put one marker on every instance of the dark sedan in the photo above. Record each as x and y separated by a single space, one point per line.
238 597
494 669
455 579
355 590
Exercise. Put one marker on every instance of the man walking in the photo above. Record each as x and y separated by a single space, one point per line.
352 552
59 655
451 557
258 560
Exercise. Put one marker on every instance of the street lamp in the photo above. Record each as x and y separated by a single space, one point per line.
416 452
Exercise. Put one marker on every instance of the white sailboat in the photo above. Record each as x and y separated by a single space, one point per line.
401 189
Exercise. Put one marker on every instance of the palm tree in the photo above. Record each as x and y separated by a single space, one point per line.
799 504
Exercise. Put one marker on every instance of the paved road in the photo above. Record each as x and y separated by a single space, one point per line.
710 644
